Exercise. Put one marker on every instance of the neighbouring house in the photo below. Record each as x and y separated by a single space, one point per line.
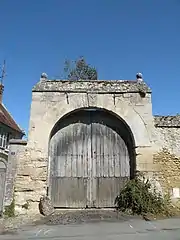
85 139
8 130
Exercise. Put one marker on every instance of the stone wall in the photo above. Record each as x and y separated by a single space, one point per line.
167 133
168 156
15 149
168 175
51 100
30 182
25 180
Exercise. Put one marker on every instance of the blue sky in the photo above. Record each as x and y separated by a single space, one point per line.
119 37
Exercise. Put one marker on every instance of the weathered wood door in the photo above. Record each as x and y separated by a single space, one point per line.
89 162
2 184
110 161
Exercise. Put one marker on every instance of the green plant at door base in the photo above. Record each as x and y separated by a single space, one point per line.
138 197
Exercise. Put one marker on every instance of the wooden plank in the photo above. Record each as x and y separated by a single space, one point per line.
101 152
68 152
69 192
106 152
61 154
55 166
117 157
89 166
84 151
112 161
79 145
110 149
107 190
98 152
74 153
94 138
122 152
72 146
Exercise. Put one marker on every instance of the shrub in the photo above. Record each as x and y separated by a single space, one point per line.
138 197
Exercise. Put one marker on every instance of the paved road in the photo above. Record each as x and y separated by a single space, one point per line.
132 229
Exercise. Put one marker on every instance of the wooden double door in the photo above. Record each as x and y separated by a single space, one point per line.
89 161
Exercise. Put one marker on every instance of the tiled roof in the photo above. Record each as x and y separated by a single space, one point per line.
7 119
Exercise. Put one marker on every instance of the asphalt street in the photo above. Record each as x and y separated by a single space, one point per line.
132 229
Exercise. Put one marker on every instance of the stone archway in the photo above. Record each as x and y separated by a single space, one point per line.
91 156
2 182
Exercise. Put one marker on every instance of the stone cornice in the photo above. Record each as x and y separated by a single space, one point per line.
98 86
167 121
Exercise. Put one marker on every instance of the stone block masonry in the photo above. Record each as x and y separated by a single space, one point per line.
167 129
25 180
169 168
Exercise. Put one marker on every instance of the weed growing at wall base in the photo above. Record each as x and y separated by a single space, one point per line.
138 197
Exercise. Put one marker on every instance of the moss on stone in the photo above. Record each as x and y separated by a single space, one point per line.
25 206
10 210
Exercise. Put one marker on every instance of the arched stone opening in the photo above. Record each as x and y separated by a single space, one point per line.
2 182
91 156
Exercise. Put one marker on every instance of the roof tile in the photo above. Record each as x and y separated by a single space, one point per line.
7 119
